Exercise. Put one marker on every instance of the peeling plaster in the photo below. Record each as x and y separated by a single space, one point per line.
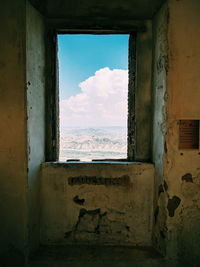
78 200
172 205
187 178
90 213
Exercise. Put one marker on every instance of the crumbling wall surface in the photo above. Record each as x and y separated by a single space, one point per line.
13 157
97 203
35 61
182 167
180 186
160 69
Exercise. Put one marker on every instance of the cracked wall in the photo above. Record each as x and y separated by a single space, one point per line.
112 206
160 69
182 167
176 65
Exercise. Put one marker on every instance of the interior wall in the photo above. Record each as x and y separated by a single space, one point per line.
143 95
159 86
97 203
35 75
182 167
13 156
176 95
22 151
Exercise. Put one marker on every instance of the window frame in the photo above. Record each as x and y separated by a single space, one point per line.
137 49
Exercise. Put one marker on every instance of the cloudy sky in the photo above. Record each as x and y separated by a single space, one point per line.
93 80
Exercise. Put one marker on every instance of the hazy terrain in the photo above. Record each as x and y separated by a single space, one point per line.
93 143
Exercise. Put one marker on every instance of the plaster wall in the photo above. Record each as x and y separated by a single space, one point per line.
159 86
182 167
176 95
13 156
143 95
35 70
102 211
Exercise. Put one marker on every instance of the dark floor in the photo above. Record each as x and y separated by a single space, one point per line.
96 256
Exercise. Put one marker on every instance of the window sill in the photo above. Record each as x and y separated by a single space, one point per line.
100 162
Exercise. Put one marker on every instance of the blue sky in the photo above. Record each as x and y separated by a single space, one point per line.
80 56
93 80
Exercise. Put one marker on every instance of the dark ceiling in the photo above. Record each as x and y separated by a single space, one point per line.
129 9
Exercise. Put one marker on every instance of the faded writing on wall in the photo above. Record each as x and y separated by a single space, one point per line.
93 180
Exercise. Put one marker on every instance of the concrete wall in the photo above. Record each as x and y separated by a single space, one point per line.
115 9
183 89
177 94
160 69
35 81
22 129
13 144
143 105
97 203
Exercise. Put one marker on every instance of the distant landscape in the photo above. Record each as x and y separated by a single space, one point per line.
86 144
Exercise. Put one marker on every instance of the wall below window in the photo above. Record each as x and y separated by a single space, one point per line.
97 203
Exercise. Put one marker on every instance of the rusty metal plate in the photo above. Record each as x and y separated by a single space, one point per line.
189 134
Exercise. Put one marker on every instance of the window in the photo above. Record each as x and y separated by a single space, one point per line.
139 125
93 96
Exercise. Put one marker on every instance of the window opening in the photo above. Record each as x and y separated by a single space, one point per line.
93 96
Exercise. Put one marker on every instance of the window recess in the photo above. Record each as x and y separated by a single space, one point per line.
139 121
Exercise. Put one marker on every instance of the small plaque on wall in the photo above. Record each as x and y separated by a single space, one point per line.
189 134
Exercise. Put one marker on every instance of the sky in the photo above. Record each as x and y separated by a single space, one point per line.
93 80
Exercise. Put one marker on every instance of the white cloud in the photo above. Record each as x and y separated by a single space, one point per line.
102 101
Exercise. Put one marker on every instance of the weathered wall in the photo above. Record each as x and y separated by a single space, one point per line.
159 86
35 82
183 89
143 105
106 211
21 82
177 94
13 157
